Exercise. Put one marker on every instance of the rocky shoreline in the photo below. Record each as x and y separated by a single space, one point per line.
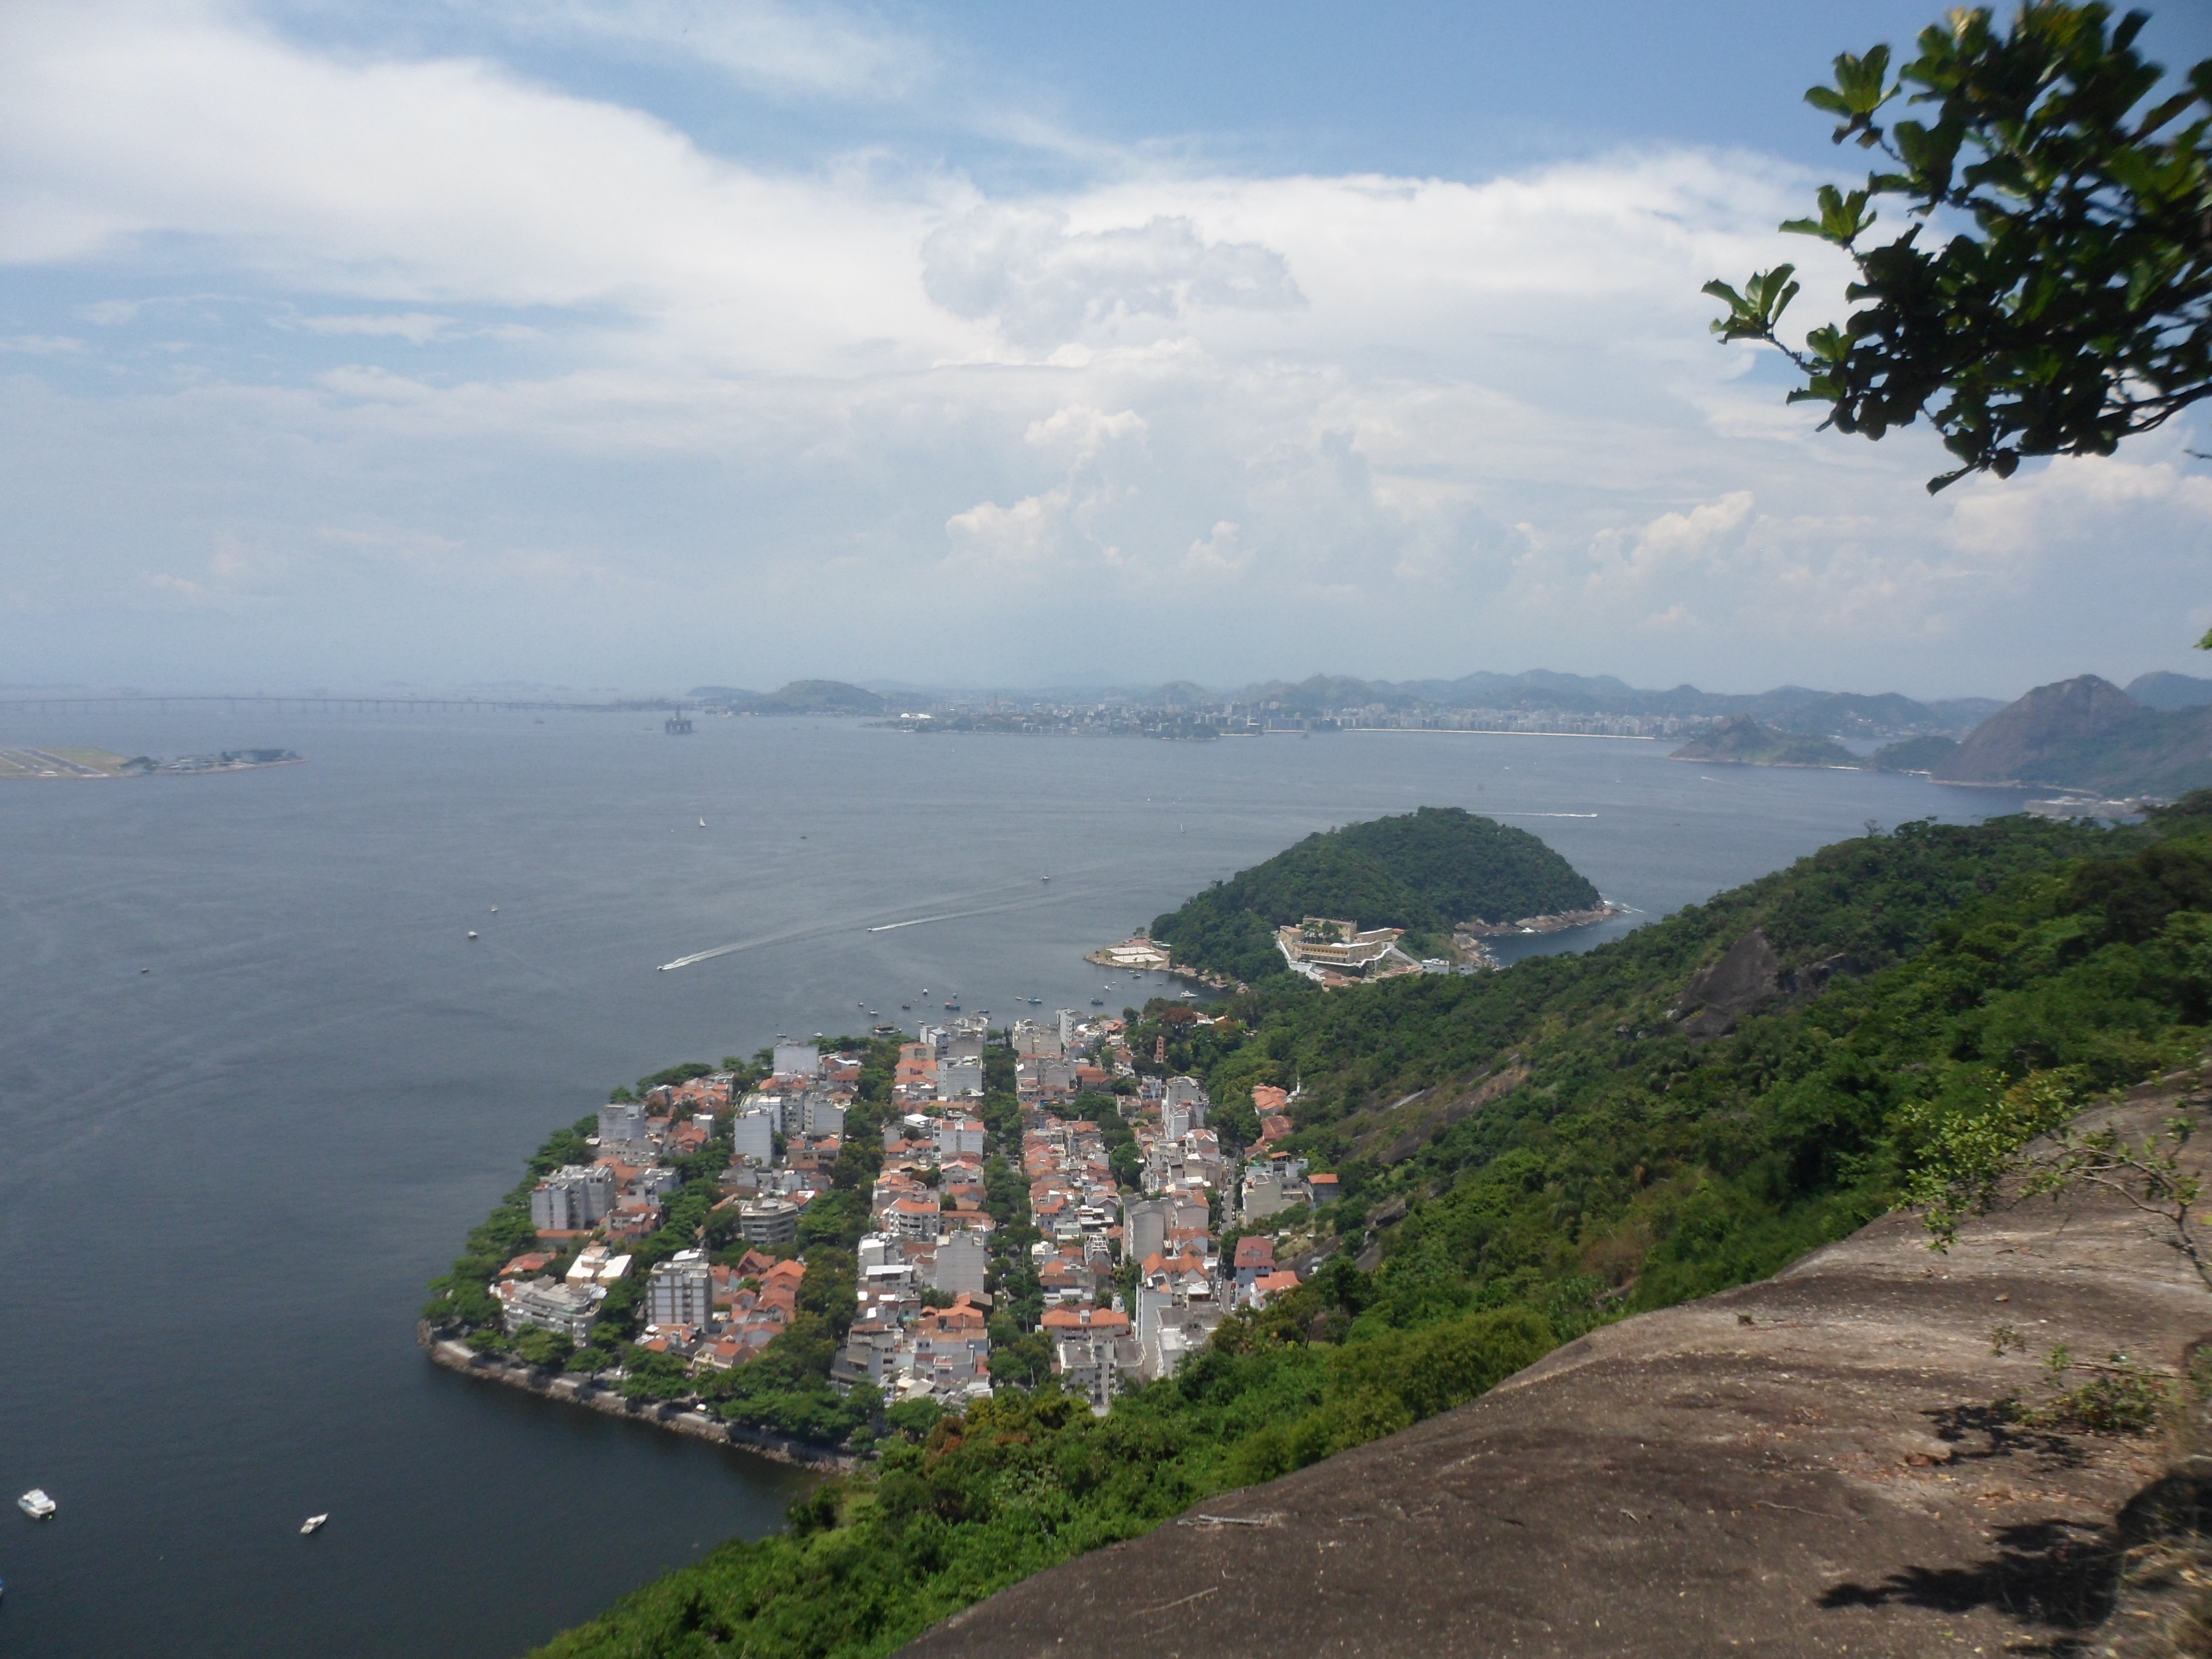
1103 957
458 1355
1551 924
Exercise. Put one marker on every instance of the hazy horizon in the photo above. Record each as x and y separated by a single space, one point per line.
949 690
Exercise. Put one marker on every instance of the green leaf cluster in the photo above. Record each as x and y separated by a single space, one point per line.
2050 292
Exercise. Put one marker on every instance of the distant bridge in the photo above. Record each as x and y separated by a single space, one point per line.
116 704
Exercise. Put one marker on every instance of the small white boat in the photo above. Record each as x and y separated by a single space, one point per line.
702 824
313 1522
495 910
36 1505
472 933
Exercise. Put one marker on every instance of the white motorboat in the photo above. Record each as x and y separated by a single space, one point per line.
313 1522
36 1505
472 934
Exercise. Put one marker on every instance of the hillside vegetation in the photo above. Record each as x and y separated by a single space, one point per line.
1913 754
1528 1154
1422 872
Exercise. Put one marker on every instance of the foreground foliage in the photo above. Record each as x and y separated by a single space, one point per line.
1620 1166
2074 305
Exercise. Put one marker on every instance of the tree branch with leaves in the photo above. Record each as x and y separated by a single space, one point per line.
2021 1140
2071 306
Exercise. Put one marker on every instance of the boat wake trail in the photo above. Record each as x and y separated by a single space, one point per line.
700 956
949 915
1029 899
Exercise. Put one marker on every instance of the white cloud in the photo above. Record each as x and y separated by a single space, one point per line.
436 180
1044 284
2073 500
1084 432
1220 552
768 47
419 326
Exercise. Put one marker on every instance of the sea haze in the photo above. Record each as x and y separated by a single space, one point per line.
257 1083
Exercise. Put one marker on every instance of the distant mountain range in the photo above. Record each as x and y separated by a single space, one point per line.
1792 708
2154 738
2080 734
2086 733
1785 708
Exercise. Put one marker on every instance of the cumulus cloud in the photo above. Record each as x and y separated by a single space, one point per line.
1237 422
1042 283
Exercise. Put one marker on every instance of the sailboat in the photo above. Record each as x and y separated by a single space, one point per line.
702 823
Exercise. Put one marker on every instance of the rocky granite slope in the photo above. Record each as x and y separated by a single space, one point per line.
1813 1464
2086 733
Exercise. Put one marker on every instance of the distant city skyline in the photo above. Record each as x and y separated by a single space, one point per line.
561 341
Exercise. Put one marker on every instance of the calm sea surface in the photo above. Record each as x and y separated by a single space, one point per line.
256 1084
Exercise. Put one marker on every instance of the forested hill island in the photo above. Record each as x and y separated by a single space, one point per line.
1396 895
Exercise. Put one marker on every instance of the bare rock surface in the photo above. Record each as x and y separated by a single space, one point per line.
1809 1465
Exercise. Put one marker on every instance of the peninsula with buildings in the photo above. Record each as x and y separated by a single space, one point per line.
99 763
842 1238
839 1239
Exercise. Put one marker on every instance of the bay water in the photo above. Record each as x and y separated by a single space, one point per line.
256 1082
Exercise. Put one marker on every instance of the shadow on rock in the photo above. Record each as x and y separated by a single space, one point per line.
2057 1574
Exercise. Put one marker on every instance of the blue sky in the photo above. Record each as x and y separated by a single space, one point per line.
649 344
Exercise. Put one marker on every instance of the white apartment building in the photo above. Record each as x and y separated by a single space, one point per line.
960 1265
957 1135
752 1134
801 1060
573 1198
621 1121
680 1292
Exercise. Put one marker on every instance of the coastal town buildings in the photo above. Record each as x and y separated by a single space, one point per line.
1330 951
572 1199
1043 1184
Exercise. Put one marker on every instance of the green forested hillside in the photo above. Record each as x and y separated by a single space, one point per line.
1920 754
1423 872
1630 1166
